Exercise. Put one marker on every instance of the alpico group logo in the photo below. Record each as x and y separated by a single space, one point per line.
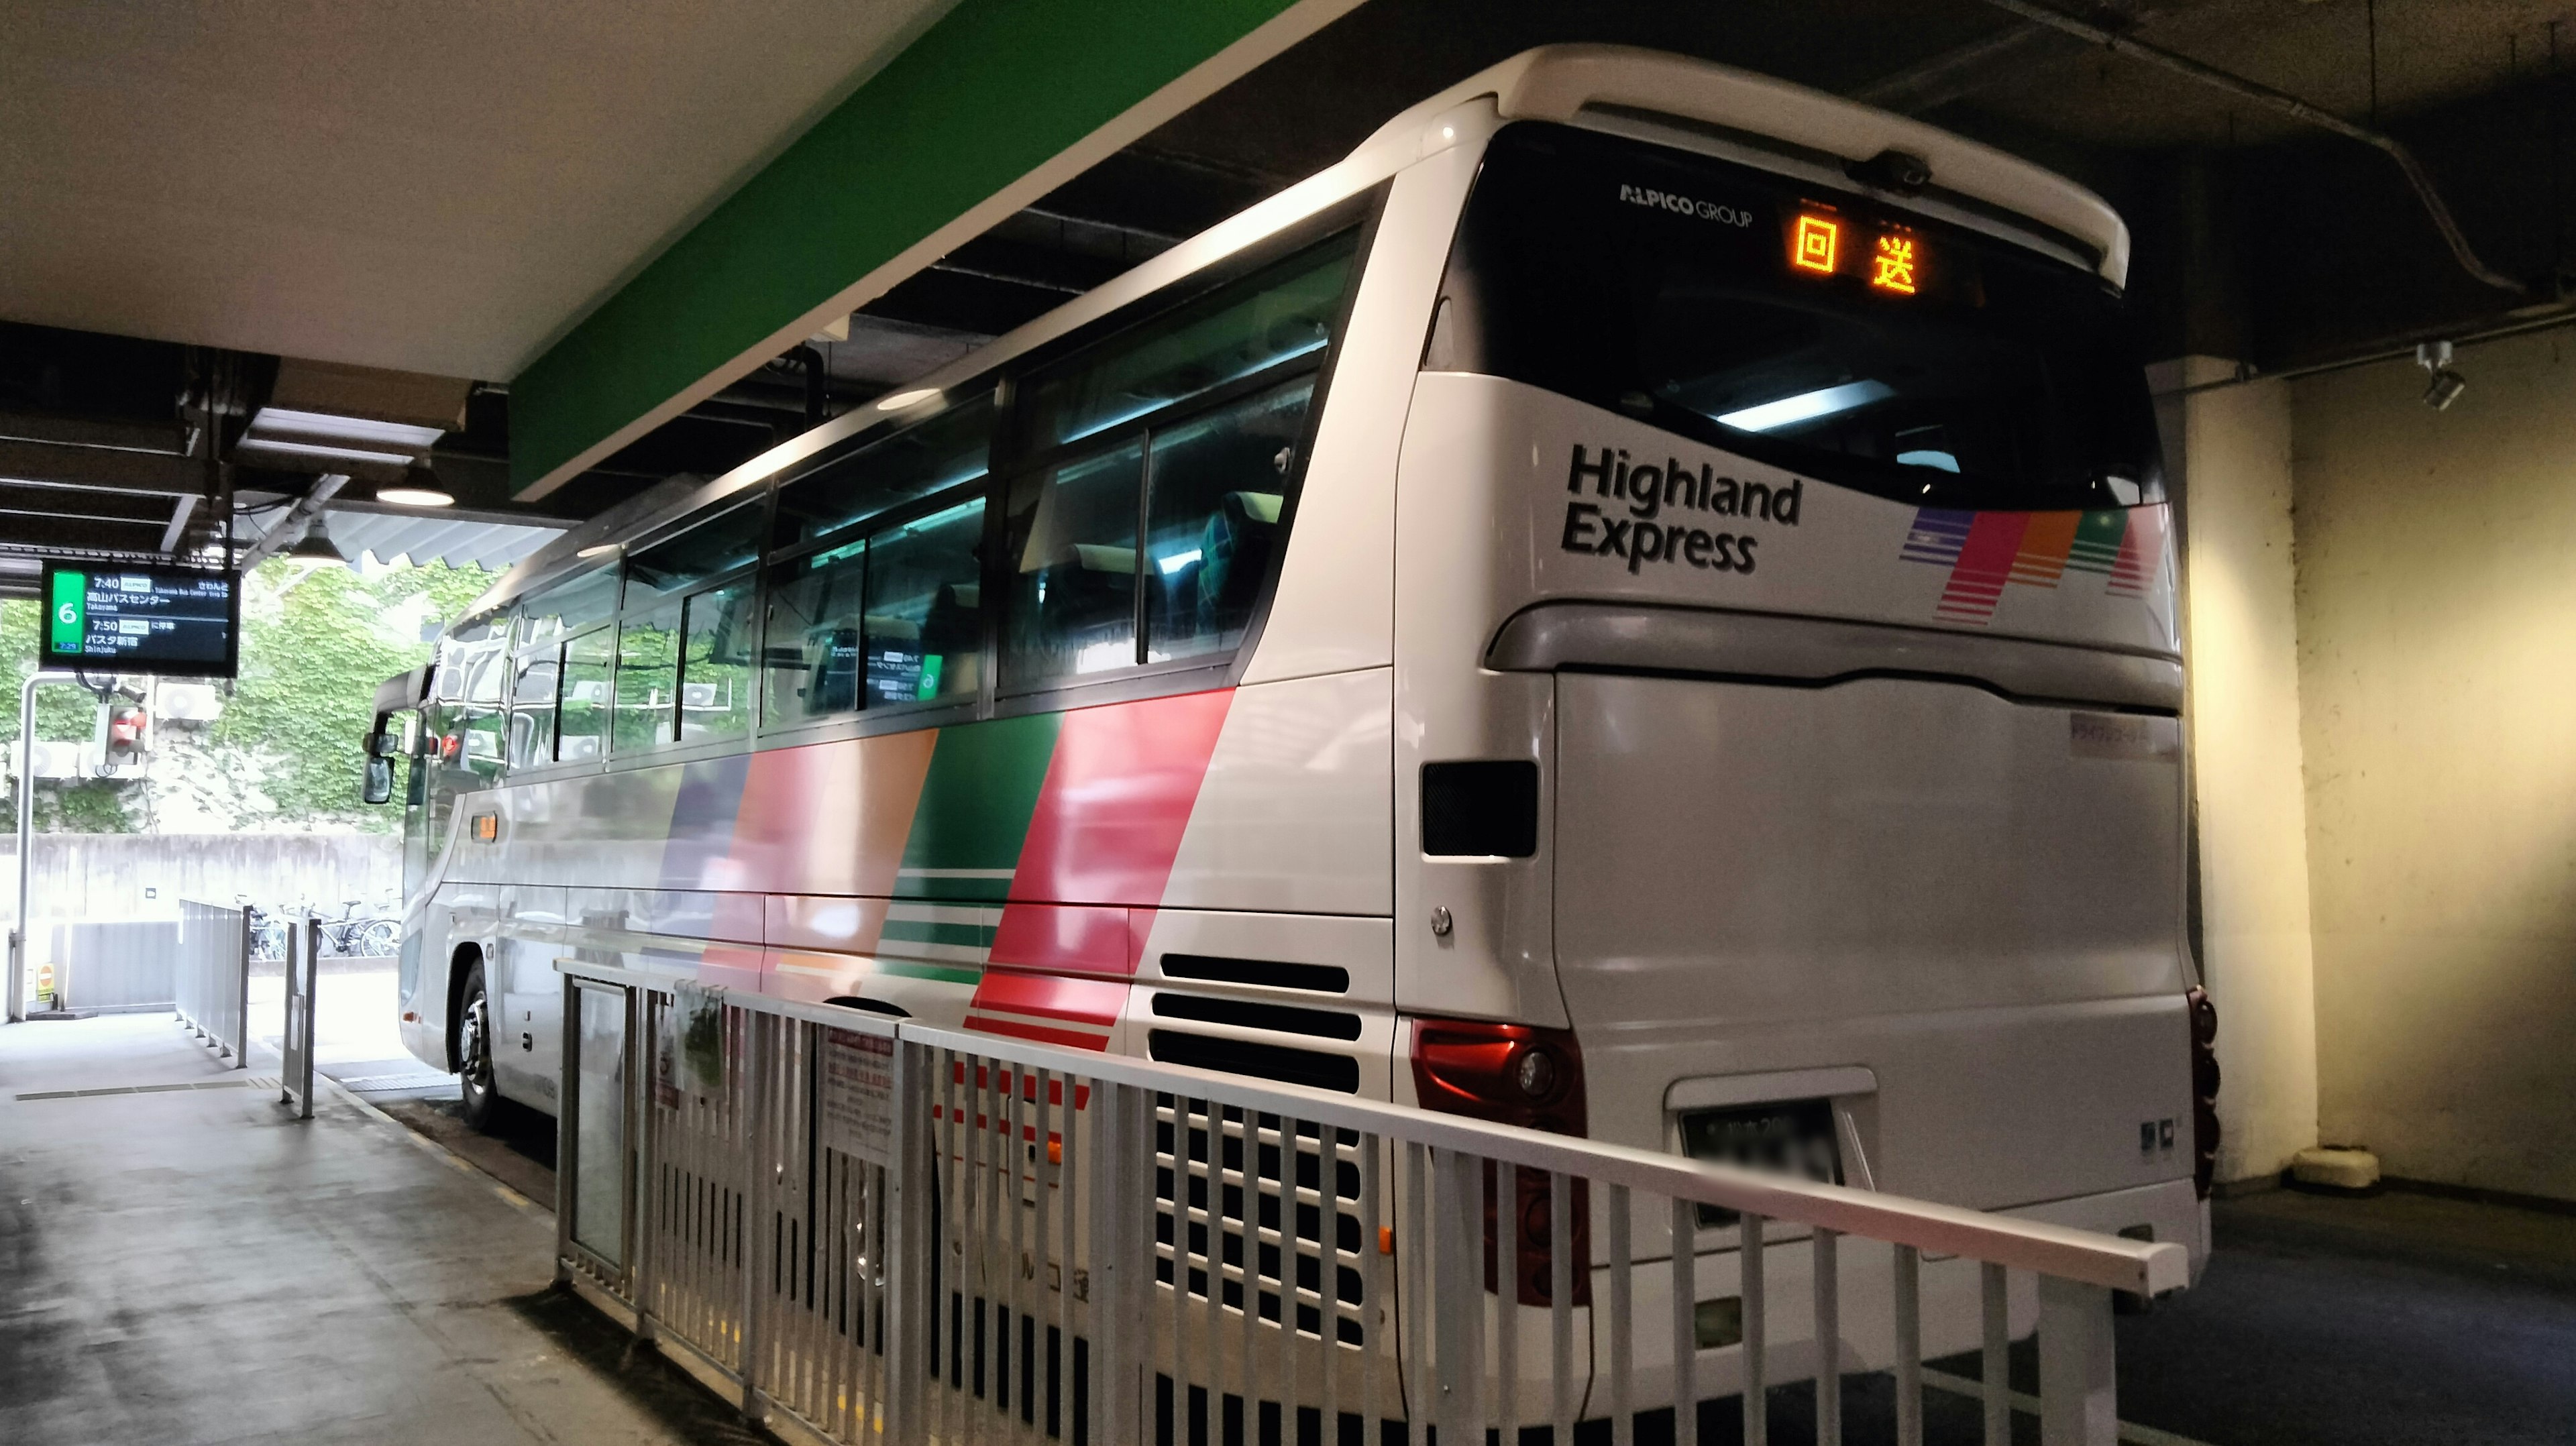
1717 211
1648 491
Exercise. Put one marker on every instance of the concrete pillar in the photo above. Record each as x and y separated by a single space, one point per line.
2228 450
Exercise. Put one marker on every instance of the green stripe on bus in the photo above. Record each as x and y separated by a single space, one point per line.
2097 541
947 973
976 803
923 931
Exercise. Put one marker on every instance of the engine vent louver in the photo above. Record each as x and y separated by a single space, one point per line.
1246 1014
1260 1061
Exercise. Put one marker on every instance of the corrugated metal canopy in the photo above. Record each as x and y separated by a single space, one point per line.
458 542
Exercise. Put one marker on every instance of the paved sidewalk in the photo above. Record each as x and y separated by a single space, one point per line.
181 1262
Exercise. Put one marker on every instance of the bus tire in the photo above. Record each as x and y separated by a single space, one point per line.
478 1092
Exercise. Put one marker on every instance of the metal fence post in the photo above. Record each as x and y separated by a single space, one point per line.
2078 1403
759 1203
639 1077
568 1161
240 1001
908 1244
303 967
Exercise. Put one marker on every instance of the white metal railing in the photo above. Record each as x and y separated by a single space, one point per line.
892 1230
295 1041
212 977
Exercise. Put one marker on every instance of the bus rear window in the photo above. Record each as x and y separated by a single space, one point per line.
1860 344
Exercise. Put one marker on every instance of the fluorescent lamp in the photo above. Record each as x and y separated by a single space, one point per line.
414 497
1806 406
324 454
597 549
1179 560
347 429
900 400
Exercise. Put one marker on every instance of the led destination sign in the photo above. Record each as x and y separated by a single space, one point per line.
130 618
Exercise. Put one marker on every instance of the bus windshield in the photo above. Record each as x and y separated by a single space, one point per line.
1800 325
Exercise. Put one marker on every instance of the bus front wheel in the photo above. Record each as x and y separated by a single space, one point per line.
482 1101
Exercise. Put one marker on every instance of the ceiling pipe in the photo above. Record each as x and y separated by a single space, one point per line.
2286 104
299 519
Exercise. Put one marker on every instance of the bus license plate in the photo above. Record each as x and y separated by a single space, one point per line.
1790 1137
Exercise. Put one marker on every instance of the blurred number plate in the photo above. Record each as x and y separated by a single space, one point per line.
1792 1137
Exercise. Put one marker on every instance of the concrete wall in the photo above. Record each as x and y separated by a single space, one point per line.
2230 450
2437 626
104 876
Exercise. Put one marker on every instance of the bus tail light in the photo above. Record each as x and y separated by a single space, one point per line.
1514 1074
2204 1090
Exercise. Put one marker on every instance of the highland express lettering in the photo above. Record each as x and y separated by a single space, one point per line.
1648 493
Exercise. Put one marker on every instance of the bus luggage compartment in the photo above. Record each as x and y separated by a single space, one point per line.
1966 907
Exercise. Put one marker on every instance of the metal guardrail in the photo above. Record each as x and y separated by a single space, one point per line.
303 975
212 977
894 1231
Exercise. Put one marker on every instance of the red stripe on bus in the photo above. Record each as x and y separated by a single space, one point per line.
1117 797
1985 563
1076 938
1084 1001
1040 1033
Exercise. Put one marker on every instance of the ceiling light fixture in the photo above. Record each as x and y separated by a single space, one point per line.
415 497
346 429
315 452
900 400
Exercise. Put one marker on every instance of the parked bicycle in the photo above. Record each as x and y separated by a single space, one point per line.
348 933
351 934
267 932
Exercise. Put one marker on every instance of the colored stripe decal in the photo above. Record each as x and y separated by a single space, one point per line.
698 850
1985 564
2141 550
2041 559
2097 541
1118 794
1937 536
1037 1032
1988 551
907 969
982 785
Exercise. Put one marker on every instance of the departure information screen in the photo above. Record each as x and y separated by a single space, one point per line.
140 618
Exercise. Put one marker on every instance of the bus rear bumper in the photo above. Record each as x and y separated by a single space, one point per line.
2168 1210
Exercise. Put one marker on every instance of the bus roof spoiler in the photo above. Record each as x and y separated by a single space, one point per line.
1562 82
403 690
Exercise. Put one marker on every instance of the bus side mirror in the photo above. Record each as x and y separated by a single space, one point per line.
380 780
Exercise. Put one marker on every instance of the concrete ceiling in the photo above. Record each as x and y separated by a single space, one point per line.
2430 53
428 185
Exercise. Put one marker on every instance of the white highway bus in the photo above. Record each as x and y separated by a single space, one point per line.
1639 604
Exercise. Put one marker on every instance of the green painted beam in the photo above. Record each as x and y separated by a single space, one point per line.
986 97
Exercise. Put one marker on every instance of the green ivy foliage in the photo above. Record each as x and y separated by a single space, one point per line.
315 643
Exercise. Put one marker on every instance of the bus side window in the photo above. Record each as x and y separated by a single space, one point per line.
532 707
920 461
1213 519
1150 542
715 662
811 657
1073 569
582 732
923 625
648 674
484 720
